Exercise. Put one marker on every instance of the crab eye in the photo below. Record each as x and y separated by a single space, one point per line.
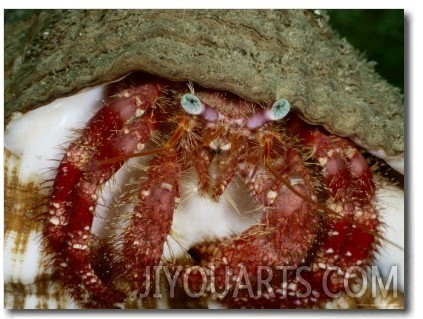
279 109
192 104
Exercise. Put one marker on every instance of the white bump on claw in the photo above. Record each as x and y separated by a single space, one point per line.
292 286
145 193
139 112
54 220
166 186
140 146
322 265
79 246
322 160
226 147
271 195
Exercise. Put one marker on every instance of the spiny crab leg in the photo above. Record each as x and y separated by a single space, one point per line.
144 239
286 231
78 182
174 139
351 238
84 199
288 234
350 219
101 127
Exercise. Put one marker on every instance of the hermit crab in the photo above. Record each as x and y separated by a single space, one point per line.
308 224
221 138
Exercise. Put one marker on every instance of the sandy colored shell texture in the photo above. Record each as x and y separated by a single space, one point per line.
256 54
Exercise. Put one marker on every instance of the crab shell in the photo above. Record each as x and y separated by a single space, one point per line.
256 54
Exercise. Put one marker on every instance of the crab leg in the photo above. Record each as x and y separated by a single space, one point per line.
101 127
284 236
228 166
105 123
350 223
151 222
349 239
348 218
84 198
292 233
80 177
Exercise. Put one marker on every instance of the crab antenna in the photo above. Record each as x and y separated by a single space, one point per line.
278 111
193 105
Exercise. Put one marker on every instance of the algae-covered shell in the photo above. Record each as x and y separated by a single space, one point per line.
257 54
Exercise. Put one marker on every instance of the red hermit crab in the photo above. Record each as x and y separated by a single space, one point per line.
317 227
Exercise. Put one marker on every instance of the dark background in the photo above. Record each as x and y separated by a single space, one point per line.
378 34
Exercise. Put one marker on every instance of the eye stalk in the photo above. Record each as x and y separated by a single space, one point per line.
278 111
193 105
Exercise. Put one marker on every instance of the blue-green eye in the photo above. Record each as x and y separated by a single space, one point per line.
279 109
192 104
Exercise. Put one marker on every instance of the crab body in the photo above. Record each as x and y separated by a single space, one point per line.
314 191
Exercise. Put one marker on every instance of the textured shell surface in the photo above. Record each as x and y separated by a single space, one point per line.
256 54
